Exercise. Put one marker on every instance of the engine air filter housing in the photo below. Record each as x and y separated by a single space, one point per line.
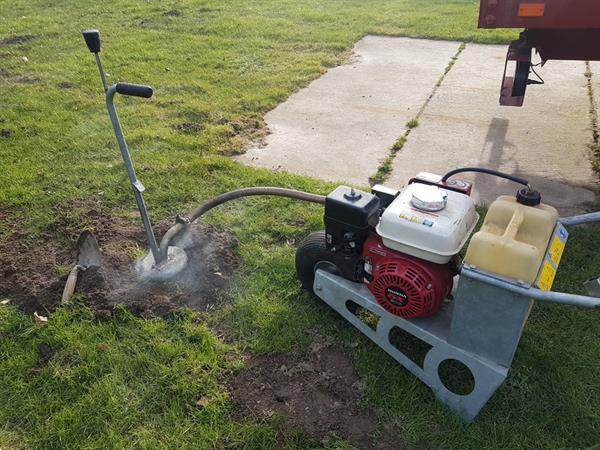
349 216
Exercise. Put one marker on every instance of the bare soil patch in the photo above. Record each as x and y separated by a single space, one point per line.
188 127
27 79
18 39
66 85
318 395
33 271
173 13
249 131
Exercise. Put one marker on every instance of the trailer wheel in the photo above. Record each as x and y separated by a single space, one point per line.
312 254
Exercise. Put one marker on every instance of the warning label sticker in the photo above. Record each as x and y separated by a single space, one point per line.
556 250
532 9
552 259
547 277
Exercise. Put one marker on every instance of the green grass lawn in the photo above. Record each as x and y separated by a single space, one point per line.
220 65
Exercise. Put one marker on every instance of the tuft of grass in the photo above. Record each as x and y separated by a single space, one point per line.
595 148
412 123
136 252
386 167
62 270
383 171
399 144
451 64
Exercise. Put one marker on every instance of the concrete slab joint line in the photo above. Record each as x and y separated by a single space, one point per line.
546 141
385 167
341 127
593 81
589 75
594 92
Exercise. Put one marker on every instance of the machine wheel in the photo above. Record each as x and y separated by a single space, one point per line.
312 254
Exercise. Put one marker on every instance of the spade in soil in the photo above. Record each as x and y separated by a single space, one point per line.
88 257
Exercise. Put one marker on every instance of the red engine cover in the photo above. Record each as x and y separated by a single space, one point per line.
404 285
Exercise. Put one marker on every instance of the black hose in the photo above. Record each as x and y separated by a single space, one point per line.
488 171
232 195
252 191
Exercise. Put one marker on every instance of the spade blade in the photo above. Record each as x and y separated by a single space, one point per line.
89 252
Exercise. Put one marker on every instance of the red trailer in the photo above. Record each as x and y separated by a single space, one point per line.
557 29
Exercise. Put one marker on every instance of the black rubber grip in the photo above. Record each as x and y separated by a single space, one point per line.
137 90
92 40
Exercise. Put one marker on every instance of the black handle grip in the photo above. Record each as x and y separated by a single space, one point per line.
92 40
137 90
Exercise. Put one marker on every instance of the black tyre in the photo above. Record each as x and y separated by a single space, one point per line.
312 254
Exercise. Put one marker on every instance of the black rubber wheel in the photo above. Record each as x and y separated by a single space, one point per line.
312 254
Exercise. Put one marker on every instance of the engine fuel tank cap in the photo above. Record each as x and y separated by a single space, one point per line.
428 198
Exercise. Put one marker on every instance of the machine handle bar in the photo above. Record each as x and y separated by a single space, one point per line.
534 293
136 90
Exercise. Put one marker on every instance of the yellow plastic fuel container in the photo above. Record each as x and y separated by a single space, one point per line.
513 239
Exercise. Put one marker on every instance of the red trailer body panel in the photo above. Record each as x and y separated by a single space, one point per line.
536 14
556 29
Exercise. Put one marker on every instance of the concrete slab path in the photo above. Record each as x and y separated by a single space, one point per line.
341 127
545 141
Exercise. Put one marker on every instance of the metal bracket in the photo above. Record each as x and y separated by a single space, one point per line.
593 287
436 330
481 328
512 91
137 184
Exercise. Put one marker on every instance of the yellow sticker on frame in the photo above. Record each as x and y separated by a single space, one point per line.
547 277
556 250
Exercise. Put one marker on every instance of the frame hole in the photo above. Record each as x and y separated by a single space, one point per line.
456 376
411 346
364 315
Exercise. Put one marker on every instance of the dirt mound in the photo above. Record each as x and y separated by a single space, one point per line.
318 395
33 271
